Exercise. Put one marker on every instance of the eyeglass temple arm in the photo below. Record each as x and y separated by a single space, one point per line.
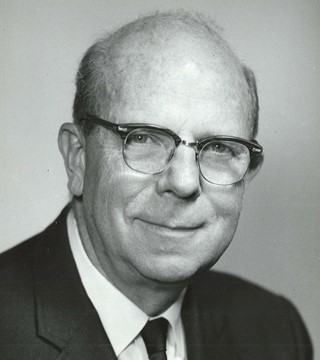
106 124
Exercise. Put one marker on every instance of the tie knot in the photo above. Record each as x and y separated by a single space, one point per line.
154 335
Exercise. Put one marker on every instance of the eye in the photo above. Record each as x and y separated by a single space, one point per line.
219 148
140 139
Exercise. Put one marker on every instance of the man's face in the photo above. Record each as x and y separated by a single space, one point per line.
169 226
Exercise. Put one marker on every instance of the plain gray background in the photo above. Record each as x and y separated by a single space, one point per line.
277 243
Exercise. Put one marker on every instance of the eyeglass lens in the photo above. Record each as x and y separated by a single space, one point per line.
224 162
221 162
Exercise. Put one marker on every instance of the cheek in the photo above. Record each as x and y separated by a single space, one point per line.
227 200
100 178
227 204
110 188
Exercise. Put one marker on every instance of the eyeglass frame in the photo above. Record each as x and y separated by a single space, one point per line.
255 149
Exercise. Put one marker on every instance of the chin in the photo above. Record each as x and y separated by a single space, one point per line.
175 272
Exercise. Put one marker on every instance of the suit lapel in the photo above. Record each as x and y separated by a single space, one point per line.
89 342
208 336
65 316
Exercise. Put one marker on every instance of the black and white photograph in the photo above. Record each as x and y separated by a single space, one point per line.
160 180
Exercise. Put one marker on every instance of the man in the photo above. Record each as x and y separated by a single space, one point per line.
158 159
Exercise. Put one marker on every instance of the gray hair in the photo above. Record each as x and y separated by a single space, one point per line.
97 79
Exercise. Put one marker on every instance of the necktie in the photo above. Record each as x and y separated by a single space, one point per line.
154 335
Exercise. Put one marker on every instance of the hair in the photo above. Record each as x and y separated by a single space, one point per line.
99 76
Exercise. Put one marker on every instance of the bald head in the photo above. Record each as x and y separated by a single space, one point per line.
165 53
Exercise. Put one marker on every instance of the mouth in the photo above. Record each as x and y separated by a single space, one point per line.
181 228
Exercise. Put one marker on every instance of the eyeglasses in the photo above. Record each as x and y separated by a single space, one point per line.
149 149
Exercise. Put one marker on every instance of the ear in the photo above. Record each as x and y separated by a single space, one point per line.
71 144
255 166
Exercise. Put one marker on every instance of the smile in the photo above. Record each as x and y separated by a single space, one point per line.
176 229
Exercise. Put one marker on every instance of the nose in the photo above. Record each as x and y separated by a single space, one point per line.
182 175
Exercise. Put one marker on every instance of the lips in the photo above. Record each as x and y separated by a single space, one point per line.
186 226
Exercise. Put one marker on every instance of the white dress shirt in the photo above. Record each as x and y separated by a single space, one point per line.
121 318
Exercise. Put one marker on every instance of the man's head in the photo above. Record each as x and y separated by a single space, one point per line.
174 71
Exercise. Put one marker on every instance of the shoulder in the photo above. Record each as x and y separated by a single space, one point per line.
18 294
233 294
17 274
17 264
17 315
21 256
252 314
213 283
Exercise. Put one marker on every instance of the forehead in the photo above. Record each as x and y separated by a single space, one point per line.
184 84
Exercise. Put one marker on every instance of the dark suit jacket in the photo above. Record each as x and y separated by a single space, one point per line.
46 314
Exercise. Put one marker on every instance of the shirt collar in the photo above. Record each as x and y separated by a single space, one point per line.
121 318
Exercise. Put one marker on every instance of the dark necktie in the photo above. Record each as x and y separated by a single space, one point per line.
154 335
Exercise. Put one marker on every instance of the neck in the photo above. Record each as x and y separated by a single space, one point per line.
152 297
155 299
